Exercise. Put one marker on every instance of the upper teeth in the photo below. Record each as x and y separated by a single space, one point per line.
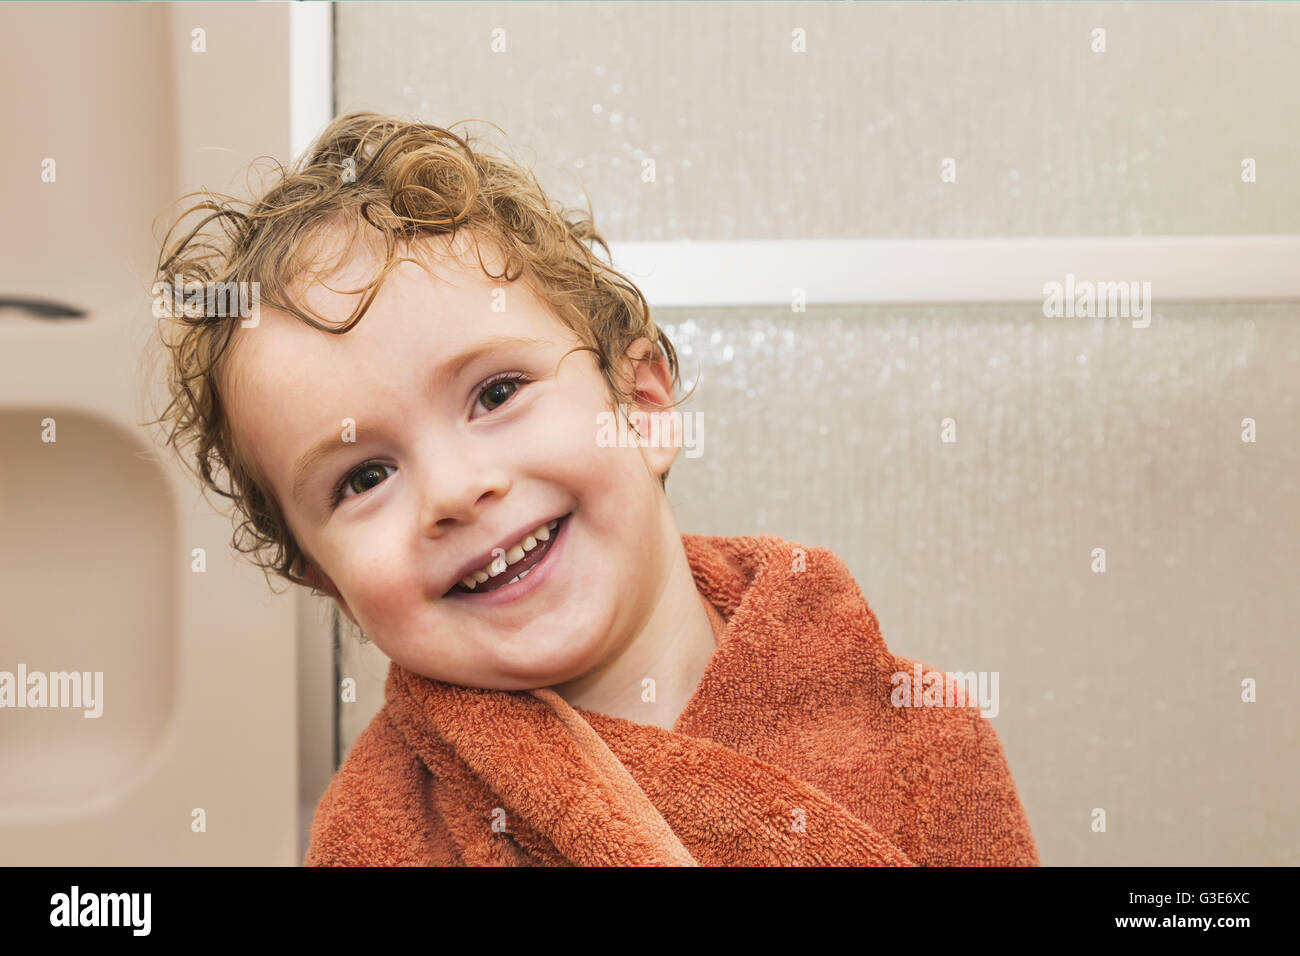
512 555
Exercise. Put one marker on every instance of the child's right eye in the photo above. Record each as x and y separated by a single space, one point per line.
369 467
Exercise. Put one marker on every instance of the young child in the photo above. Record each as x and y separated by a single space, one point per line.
415 423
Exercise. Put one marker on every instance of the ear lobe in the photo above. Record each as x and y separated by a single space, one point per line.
302 573
320 582
306 573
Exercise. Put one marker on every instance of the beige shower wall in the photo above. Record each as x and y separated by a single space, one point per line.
88 160
753 141
99 531
1120 690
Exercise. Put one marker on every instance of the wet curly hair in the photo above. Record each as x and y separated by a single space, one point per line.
383 178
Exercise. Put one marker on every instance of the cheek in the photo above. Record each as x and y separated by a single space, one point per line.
598 453
597 429
381 590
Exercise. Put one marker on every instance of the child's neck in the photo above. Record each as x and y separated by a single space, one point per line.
672 648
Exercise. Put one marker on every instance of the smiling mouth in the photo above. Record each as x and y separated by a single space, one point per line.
517 571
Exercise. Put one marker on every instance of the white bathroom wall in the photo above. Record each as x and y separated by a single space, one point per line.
752 140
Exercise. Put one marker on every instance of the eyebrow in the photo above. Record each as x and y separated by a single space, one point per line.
447 372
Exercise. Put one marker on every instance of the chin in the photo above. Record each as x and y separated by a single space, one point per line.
545 666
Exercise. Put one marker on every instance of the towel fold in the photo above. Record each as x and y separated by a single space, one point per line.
790 752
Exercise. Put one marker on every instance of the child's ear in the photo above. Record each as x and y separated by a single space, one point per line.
653 378
309 575
653 393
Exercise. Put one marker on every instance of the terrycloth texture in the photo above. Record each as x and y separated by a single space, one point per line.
790 752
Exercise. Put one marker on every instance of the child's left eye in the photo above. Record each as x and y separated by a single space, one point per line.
500 390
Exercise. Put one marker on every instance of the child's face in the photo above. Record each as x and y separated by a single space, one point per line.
455 470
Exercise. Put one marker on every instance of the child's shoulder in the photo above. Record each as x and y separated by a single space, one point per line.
378 807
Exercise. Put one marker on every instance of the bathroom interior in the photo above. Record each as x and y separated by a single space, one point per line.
921 301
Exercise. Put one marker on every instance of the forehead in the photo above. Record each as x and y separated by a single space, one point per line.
436 305
331 284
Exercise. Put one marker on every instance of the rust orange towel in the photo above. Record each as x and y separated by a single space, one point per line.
790 752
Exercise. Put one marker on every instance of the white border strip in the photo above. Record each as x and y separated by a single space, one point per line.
759 272
311 72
